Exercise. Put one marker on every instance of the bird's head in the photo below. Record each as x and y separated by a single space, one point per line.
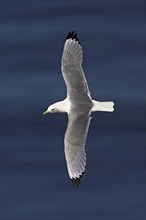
51 109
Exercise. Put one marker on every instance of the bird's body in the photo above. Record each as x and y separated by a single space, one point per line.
78 105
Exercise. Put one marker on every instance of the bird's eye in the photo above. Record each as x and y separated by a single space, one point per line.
53 109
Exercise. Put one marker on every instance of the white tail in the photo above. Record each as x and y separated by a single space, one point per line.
102 106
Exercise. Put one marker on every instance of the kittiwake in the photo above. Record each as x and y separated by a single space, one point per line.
78 105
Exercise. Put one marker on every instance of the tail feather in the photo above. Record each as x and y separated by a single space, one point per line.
103 106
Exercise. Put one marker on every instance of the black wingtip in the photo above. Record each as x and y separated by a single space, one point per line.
77 181
73 35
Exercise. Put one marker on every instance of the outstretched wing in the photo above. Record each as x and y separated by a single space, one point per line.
72 71
75 138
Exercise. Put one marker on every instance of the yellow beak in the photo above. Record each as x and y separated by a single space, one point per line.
46 112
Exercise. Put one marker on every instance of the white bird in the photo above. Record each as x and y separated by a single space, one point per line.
78 105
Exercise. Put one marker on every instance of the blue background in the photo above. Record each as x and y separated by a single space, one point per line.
34 180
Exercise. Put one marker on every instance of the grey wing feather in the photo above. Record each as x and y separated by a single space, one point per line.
75 138
72 68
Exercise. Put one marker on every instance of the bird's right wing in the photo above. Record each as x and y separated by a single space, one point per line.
75 138
72 68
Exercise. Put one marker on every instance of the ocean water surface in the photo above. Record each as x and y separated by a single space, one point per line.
34 180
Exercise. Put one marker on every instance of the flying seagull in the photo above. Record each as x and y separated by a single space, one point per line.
78 105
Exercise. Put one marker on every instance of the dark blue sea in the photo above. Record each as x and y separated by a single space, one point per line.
34 179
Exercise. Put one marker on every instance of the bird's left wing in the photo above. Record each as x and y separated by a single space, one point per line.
75 138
